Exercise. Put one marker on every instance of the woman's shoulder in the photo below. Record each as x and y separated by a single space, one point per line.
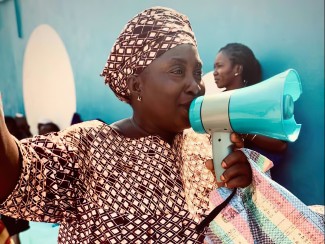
87 127
196 138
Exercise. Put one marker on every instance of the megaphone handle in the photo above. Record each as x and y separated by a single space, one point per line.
221 148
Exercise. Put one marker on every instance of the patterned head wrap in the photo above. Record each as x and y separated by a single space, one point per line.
144 38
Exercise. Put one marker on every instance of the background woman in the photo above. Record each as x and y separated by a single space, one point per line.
235 67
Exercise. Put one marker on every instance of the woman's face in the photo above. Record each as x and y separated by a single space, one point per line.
168 86
224 73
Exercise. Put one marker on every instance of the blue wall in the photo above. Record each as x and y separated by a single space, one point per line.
283 34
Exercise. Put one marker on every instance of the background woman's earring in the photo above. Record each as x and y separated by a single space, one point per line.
236 74
139 98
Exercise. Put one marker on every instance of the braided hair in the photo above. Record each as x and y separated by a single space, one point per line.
242 55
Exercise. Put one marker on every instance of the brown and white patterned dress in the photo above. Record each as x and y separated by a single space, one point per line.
105 188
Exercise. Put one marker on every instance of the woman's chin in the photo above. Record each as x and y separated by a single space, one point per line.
185 124
220 86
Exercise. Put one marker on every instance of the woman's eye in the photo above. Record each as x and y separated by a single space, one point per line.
177 71
198 73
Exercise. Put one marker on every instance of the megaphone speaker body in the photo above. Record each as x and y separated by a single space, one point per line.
266 108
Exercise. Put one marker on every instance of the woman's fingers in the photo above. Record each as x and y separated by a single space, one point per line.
237 141
239 175
238 172
209 165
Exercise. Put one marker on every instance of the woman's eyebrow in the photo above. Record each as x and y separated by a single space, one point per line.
178 60
184 61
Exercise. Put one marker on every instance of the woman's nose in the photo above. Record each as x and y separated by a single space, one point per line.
215 72
196 88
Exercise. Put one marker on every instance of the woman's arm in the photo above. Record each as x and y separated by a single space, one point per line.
266 143
9 159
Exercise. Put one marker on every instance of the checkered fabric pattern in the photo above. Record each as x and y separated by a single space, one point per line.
103 188
144 38
198 181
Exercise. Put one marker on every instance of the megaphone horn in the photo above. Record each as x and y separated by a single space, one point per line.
266 108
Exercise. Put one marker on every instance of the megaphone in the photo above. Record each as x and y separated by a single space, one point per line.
266 108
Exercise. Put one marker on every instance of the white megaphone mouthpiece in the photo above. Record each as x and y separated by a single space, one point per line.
266 108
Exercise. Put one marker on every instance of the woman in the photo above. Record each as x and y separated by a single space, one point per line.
236 67
121 183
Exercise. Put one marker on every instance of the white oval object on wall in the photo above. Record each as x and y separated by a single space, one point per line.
48 82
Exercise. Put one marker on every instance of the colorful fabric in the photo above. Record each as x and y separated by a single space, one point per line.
264 212
144 38
103 187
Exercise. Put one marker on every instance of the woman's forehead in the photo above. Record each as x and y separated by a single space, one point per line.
184 53
222 57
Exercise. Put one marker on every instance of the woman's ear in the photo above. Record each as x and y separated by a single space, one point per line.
238 69
134 84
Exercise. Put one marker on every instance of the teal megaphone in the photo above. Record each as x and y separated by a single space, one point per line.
266 108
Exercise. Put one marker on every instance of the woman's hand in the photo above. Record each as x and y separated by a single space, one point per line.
9 158
238 172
